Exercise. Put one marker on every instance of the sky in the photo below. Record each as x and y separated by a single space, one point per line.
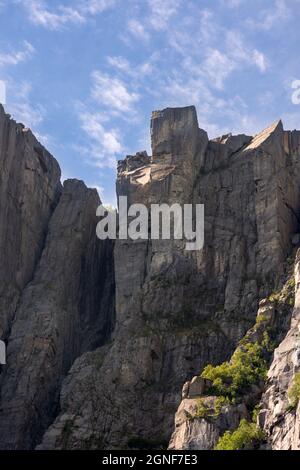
85 75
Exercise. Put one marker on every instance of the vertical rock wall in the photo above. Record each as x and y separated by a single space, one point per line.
176 310
57 283
29 191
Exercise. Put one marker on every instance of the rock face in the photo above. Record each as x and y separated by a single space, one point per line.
29 191
68 305
176 311
119 376
279 420
202 429
195 434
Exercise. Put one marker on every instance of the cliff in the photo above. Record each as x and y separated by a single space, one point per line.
102 336
57 293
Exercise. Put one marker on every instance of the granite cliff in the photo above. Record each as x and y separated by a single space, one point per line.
101 336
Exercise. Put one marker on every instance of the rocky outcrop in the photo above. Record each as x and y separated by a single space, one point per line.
29 191
278 416
203 434
62 293
60 314
79 377
202 418
176 311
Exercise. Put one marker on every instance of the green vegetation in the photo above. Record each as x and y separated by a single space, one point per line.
249 363
209 410
203 410
255 413
246 436
294 391
286 295
219 403
247 366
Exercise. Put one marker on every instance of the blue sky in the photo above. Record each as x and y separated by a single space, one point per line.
86 74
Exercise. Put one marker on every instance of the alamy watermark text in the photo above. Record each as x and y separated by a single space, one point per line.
160 222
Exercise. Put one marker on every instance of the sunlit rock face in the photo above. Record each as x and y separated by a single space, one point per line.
175 310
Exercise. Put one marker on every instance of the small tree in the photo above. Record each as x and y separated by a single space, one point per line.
294 391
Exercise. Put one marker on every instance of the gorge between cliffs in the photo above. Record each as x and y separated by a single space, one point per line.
122 344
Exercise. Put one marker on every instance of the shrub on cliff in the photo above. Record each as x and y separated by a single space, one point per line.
246 367
246 436
294 391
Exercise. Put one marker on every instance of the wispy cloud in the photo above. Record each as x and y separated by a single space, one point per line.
113 93
136 71
93 7
214 66
21 106
268 18
162 11
41 14
104 144
160 14
260 60
243 53
15 57
119 63
137 30
217 66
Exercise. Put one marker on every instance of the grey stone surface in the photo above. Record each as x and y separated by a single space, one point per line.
29 191
195 434
176 311
279 421
65 310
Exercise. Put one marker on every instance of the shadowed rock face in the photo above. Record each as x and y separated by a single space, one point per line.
62 287
176 310
29 191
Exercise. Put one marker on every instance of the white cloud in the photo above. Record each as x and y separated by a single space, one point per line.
105 144
277 14
29 115
113 93
92 125
260 60
214 66
15 57
20 105
93 7
162 11
137 72
137 29
208 26
242 53
119 63
217 66
41 14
